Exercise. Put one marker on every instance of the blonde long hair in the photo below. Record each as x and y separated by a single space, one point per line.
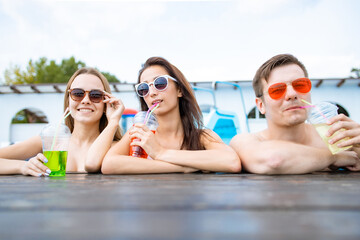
69 121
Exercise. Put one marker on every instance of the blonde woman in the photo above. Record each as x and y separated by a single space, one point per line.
94 124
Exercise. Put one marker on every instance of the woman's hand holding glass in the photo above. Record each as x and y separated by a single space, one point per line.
35 166
114 107
351 130
146 140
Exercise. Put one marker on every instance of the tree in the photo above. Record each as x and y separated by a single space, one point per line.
14 75
69 66
110 77
44 71
356 71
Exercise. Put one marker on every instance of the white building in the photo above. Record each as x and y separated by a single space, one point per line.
46 100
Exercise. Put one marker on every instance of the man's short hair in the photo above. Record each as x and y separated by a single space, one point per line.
264 71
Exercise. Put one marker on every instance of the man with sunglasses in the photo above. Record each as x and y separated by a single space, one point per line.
288 145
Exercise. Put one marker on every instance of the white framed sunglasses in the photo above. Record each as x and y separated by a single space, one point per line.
160 83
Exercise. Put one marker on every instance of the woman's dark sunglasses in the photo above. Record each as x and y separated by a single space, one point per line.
78 94
160 83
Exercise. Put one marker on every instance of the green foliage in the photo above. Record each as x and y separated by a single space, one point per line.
20 117
356 71
14 75
110 77
45 71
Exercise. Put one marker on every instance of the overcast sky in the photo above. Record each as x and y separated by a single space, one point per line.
206 40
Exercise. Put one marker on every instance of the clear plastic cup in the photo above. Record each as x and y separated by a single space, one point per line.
55 141
152 124
319 116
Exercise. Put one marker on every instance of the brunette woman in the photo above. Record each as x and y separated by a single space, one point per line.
180 143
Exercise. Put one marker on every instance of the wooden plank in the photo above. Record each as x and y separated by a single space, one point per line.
194 191
319 83
14 89
115 88
57 89
35 89
340 83
181 206
180 225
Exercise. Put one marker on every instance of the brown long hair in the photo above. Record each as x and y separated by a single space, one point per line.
190 113
264 71
69 121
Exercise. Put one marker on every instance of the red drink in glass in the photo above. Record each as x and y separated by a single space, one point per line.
137 151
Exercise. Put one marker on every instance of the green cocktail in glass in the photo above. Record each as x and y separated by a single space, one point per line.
55 140
56 162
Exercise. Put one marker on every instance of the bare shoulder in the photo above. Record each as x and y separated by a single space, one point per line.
210 135
244 139
211 140
247 146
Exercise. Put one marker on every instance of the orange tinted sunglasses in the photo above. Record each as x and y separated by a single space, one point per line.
301 85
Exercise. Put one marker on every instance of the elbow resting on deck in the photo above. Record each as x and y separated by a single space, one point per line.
106 167
235 167
92 168
235 164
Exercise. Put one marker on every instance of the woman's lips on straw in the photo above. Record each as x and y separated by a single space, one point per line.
155 103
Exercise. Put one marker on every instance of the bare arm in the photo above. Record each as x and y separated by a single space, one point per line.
282 157
117 161
12 158
218 157
11 166
22 150
99 148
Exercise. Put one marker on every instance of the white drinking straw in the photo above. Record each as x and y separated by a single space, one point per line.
65 115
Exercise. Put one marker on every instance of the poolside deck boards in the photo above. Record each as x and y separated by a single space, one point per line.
181 206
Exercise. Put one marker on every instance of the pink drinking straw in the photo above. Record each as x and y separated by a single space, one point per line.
311 105
307 106
151 113
148 112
